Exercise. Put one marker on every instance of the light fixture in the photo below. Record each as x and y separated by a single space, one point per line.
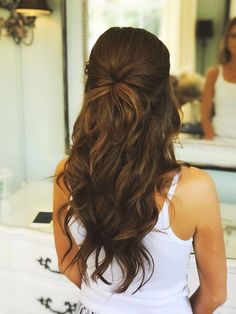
33 7
21 21
204 31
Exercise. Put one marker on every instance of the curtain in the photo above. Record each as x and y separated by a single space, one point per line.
178 33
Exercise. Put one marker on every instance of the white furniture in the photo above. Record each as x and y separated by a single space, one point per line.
220 152
29 279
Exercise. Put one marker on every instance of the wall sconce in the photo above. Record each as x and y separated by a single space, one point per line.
33 7
21 20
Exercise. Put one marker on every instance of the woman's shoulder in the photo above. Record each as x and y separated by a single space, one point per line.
196 185
59 184
192 171
60 166
196 197
213 72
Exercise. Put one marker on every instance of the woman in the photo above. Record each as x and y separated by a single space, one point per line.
118 235
220 90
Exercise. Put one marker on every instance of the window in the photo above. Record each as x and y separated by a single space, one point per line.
173 21
103 14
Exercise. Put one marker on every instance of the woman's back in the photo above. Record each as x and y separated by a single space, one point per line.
194 200
169 243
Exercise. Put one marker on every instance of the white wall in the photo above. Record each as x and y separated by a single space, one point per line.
75 59
32 102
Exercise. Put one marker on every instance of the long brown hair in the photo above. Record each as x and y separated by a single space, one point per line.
122 151
225 55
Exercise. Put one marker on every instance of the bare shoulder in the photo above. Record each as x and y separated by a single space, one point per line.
212 73
198 190
60 191
60 166
196 178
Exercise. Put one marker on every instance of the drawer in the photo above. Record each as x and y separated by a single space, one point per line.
28 250
30 294
34 258
42 296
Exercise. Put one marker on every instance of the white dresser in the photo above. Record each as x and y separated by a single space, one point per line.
29 279
30 282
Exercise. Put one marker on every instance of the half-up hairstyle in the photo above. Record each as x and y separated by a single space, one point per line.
122 151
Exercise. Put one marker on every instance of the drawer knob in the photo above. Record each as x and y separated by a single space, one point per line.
45 263
69 307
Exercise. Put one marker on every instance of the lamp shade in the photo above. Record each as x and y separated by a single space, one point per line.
204 29
33 7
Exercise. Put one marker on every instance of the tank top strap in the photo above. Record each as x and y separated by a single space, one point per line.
165 207
220 70
173 185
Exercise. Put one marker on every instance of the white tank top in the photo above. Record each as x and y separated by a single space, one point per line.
165 293
224 120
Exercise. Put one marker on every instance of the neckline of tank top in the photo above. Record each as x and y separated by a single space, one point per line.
221 75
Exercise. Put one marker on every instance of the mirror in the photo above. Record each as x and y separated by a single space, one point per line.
218 154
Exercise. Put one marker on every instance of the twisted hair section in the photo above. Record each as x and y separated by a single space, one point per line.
122 152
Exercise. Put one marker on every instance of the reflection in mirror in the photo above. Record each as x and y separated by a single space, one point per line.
163 18
188 91
218 151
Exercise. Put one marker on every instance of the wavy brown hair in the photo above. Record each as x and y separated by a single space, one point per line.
122 151
225 55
